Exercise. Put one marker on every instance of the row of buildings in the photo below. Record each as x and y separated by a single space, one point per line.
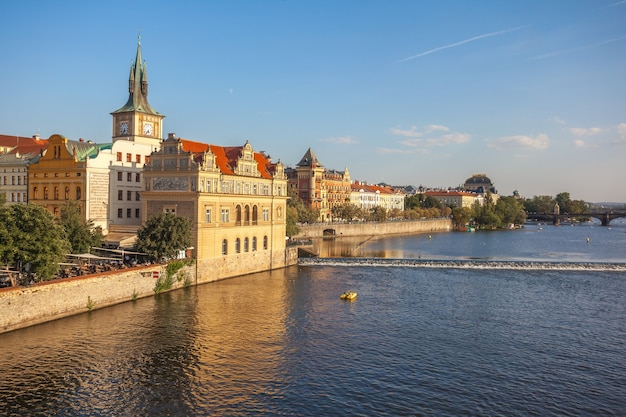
235 196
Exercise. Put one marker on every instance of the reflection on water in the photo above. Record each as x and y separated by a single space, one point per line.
416 341
585 242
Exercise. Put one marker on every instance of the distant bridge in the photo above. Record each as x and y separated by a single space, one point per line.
605 217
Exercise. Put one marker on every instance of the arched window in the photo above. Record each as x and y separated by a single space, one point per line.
255 214
265 242
246 247
78 193
237 245
246 215
35 193
238 215
224 247
56 193
45 193
67 193
254 244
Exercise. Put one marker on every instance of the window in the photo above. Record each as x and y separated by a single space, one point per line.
246 243
238 215
78 193
45 193
119 213
225 216
67 193
224 247
129 157
129 176
138 177
35 193
138 159
129 195
119 175
169 210
120 195
255 214
137 213
119 157
265 242
254 244
137 196
237 245
246 214
266 215
128 213
207 215
147 160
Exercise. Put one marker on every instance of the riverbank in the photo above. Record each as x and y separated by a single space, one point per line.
374 228
25 306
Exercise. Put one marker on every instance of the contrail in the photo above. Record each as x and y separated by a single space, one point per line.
452 45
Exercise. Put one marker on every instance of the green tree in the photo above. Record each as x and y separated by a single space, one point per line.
81 233
539 204
163 236
304 214
378 214
510 210
34 242
292 228
346 211
461 216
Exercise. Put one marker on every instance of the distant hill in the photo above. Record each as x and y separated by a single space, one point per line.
608 205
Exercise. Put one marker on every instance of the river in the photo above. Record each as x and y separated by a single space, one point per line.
416 341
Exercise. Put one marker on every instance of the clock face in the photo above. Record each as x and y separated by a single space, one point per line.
147 128
124 128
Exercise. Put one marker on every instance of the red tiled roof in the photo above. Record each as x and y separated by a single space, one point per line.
226 157
449 193
23 145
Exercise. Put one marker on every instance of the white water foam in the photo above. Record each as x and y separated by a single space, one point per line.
468 264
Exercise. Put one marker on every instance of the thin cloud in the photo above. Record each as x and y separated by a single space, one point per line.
558 120
582 48
411 133
621 131
582 131
618 3
345 140
538 142
463 42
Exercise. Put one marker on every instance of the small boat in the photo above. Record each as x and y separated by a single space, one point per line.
348 295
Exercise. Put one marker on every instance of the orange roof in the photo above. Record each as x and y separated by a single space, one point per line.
226 157
23 145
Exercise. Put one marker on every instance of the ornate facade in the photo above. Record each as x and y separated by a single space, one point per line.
235 197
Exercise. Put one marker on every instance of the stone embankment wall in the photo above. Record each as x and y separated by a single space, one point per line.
375 228
26 306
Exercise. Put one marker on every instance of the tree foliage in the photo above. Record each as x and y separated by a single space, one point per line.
347 211
163 236
81 232
303 214
31 240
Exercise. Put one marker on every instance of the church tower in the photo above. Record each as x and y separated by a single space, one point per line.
137 121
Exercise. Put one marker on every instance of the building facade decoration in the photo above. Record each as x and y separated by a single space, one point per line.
235 197
16 153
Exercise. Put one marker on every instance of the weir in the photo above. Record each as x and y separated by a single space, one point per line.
465 264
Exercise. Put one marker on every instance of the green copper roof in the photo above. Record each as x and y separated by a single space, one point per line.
137 87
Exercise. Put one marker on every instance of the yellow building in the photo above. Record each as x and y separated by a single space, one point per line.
72 170
235 198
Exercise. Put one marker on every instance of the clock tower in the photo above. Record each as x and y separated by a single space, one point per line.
137 121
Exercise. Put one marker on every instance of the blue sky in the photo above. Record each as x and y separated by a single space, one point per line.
531 93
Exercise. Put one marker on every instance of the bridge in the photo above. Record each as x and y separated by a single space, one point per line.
605 217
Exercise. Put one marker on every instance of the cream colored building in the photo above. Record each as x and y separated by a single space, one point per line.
455 198
235 198
368 196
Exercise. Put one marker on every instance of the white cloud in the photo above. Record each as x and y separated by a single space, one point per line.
538 142
346 140
411 133
436 128
557 120
429 137
621 131
582 131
